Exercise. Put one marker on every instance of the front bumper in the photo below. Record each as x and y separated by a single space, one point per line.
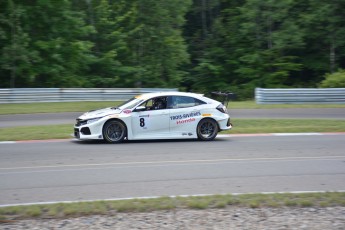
89 131
83 136
225 124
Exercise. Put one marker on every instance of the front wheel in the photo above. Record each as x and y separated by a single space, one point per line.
207 129
114 131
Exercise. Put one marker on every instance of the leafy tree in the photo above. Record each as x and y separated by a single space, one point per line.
274 36
334 80
324 23
199 33
58 37
137 43
253 44
17 58
199 45
113 23
158 45
43 46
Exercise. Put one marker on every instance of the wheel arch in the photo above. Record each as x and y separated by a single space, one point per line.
211 118
115 119
209 136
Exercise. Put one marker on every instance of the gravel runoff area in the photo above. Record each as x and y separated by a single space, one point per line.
312 218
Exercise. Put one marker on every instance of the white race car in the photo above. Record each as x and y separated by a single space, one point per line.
166 115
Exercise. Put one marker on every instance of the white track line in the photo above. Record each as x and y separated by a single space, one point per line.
177 162
219 135
279 134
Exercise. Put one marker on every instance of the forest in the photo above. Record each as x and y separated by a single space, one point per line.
193 45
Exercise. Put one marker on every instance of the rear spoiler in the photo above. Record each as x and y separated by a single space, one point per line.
223 97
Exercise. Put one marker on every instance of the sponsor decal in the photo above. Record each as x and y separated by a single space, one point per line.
185 121
127 111
146 115
185 134
144 123
184 116
206 114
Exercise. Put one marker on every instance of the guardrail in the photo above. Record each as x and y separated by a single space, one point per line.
23 95
299 96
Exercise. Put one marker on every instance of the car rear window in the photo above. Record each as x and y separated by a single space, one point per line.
177 102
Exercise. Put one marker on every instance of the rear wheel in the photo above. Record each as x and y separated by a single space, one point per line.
114 131
207 129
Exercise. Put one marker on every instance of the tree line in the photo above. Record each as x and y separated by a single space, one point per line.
195 45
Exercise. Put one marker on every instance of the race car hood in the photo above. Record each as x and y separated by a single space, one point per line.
99 113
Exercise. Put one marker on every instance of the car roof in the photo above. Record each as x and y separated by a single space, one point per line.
146 96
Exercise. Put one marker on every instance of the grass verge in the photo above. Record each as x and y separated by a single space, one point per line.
63 210
241 126
286 126
56 107
43 132
253 105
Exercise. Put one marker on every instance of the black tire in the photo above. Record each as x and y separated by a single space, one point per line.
114 131
207 129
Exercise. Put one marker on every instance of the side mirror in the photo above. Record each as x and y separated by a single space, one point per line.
140 108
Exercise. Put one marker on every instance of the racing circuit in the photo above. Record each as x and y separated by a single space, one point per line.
70 170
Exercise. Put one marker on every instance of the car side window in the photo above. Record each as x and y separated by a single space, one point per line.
177 102
149 104
156 103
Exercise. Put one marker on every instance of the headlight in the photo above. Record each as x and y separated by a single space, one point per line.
92 120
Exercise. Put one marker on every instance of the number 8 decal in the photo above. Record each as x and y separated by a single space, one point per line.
142 122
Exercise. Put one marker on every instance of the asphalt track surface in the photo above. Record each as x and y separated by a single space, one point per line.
70 170
69 118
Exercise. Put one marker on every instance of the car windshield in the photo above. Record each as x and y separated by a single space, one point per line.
131 103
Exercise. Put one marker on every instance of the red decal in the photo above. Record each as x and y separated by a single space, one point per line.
127 111
185 121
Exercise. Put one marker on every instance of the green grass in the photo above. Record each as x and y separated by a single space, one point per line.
56 107
286 126
253 105
241 126
43 132
61 210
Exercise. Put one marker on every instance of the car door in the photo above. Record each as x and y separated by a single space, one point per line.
184 116
152 122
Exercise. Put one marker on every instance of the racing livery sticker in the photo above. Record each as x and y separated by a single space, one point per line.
185 115
144 121
185 121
